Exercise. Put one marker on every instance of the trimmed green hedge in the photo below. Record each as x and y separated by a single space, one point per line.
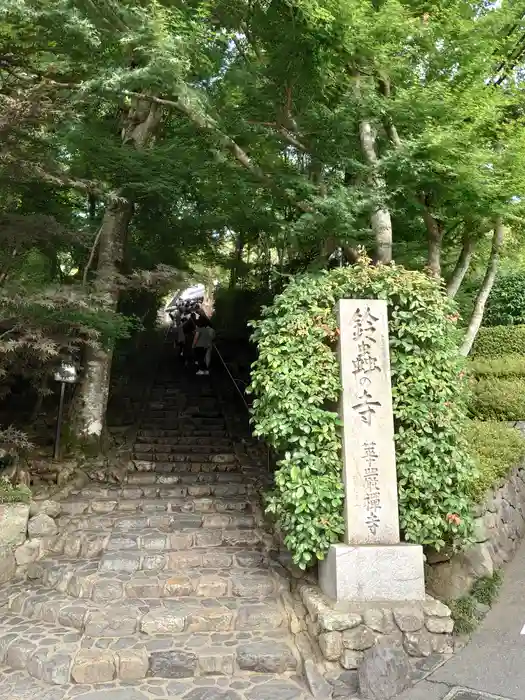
498 399
497 449
505 366
506 304
497 341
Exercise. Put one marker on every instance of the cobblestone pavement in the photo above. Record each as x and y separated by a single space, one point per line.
16 685
162 586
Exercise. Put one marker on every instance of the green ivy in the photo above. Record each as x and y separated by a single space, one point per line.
296 386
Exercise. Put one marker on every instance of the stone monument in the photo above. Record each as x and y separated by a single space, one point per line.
372 564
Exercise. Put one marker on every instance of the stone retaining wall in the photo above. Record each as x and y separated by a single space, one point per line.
499 528
27 532
345 632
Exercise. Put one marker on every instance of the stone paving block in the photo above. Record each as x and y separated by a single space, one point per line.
112 622
18 653
252 586
120 561
93 666
106 590
5 641
72 616
162 621
143 587
275 690
216 661
132 664
259 616
266 657
51 666
153 562
211 586
172 664
211 620
77 584
178 586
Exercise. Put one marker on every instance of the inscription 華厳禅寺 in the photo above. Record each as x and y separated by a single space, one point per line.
372 489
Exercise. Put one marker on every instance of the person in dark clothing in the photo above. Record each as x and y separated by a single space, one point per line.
202 343
189 333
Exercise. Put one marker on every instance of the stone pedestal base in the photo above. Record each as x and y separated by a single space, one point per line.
364 573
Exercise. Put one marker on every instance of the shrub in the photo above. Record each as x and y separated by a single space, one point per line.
497 449
506 304
296 384
504 366
13 494
498 399
469 610
499 340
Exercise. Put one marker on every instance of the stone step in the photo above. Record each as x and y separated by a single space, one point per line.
186 451
181 503
244 685
165 464
85 581
175 445
153 489
185 425
60 656
149 540
169 560
173 437
180 412
183 430
169 467
150 616
168 432
170 522
148 476
216 458
85 543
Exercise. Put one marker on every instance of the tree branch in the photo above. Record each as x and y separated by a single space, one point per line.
91 256
203 123
391 131
461 267
485 289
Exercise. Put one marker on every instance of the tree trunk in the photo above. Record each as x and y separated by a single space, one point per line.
484 290
92 397
462 266
434 240
239 249
380 219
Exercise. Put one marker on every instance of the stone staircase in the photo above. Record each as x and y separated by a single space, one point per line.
162 585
